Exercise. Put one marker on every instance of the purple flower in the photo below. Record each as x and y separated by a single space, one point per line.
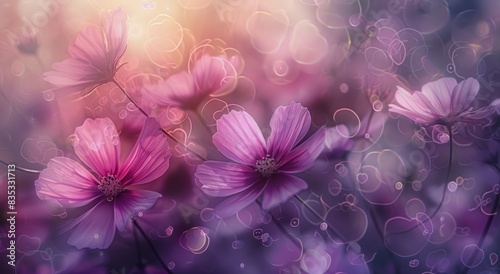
107 181
259 167
210 76
94 56
442 101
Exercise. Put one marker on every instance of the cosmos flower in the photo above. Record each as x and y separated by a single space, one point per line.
259 167
27 43
94 56
210 75
441 102
104 180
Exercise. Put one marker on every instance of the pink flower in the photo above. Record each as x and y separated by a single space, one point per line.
442 101
94 56
259 167
107 181
210 76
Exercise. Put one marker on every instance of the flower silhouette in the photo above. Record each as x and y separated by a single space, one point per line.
94 56
259 167
210 75
441 102
107 181
27 42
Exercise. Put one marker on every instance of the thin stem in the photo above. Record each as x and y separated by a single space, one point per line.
27 170
448 172
483 235
330 227
282 228
152 247
140 263
162 130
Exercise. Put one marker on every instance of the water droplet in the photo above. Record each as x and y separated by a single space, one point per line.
323 226
354 20
48 95
294 222
96 236
452 186
280 68
496 189
377 105
367 135
130 106
140 214
171 265
238 244
414 263
122 114
371 31
242 265
103 101
344 88
399 185
257 233
493 258
416 185
169 231
450 68
195 240
443 138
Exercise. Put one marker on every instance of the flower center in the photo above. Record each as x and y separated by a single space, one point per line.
110 186
266 166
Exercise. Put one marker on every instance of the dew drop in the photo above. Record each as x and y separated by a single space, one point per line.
171 265
48 95
280 68
344 88
257 233
169 231
323 226
96 236
452 186
377 106
242 265
414 263
122 114
399 185
450 68
294 222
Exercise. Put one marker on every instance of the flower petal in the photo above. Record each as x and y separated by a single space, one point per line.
94 229
439 94
214 75
115 29
280 188
235 203
98 145
66 182
222 179
463 95
129 203
302 157
149 158
239 138
177 90
289 125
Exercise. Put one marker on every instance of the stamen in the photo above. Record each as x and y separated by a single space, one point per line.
266 166
110 187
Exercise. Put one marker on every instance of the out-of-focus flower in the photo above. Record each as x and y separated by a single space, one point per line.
258 167
94 56
209 76
108 182
336 140
27 42
441 102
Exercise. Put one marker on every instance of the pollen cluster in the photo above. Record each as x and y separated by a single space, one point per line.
110 187
266 166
